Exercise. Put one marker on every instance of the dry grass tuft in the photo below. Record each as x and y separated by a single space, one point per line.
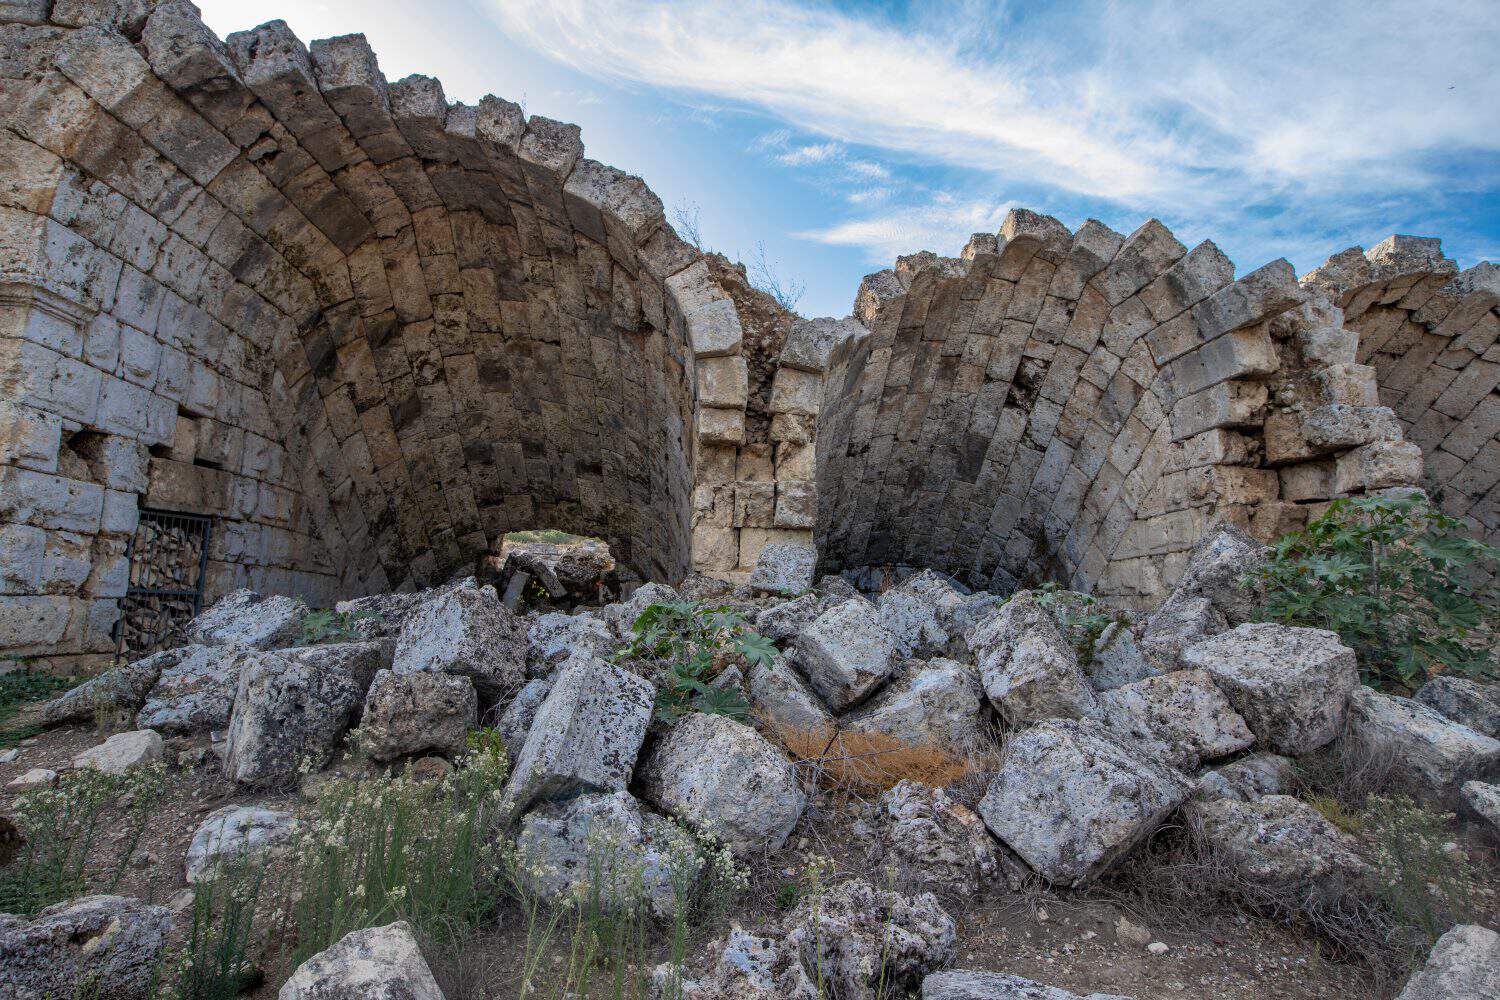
867 763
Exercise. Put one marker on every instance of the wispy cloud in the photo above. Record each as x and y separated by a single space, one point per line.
1130 102
1279 126
800 156
942 223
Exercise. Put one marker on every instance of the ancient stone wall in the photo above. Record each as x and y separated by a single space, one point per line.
1082 406
1433 337
368 330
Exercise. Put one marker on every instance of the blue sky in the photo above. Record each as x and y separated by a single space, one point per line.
840 134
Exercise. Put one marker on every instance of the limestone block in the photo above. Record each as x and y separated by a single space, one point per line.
936 703
110 943
233 834
1467 702
1377 466
1030 671
721 776
122 753
196 693
1435 752
465 631
847 652
1463 965
784 569
1259 295
715 330
1290 684
585 736
378 963
934 841
593 846
245 618
1072 801
723 382
408 713
721 426
29 437
796 392
796 504
783 698
1325 346
1350 385
1182 716
1278 839
1227 404
1336 426
962 984
292 708
810 343
1249 778
860 940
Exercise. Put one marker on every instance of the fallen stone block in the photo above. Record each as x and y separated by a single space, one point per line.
121 689
1277 839
936 703
1469 703
1030 672
109 944
195 693
781 697
292 708
1463 965
605 846
723 778
1290 684
931 840
245 618
1072 800
784 568
959 984
411 713
846 653
1483 800
861 942
466 632
378 963
122 753
1183 715
236 834
1249 778
1429 749
585 736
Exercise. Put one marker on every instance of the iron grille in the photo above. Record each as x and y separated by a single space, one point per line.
168 562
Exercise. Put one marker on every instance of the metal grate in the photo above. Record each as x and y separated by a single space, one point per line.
168 559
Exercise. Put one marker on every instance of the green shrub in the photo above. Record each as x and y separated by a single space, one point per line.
693 644
1424 885
62 826
1082 617
1401 583
319 627
216 961
384 848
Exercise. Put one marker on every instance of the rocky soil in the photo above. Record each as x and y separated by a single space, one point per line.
1099 760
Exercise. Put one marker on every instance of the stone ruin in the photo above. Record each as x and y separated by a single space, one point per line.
353 334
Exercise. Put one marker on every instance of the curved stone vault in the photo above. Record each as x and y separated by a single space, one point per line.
368 331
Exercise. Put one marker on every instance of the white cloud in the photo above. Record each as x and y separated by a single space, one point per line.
943 223
1208 105
800 156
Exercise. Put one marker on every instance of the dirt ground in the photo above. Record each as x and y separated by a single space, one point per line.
1065 940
